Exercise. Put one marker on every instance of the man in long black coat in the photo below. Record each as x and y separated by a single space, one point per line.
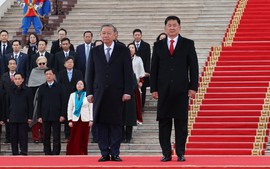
50 111
109 86
174 78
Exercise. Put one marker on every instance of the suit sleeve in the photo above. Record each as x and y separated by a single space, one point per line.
128 72
90 74
148 56
70 107
193 68
30 103
154 70
39 102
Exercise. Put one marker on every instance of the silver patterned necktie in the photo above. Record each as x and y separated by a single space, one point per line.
108 55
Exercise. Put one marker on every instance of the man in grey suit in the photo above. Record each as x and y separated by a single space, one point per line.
174 78
109 86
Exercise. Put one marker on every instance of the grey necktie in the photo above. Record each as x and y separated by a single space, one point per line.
137 46
87 51
108 55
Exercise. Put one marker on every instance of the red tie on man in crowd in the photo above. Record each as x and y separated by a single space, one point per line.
171 47
12 78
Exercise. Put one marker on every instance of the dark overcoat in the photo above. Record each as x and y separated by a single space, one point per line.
172 77
108 82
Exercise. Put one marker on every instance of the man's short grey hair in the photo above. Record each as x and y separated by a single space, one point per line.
108 25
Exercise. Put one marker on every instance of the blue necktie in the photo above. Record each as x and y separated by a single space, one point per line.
108 55
69 76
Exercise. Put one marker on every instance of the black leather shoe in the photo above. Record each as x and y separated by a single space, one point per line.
181 158
166 158
104 158
116 158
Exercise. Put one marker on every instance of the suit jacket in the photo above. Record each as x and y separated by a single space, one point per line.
19 104
69 86
81 58
9 48
56 48
51 102
108 82
86 110
50 60
59 60
2 105
22 65
173 76
144 52
5 82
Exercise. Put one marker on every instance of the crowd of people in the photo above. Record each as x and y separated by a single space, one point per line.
101 85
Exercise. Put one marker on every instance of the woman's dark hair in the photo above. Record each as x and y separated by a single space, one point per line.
131 44
160 36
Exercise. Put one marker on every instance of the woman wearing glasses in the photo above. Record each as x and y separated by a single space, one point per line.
36 79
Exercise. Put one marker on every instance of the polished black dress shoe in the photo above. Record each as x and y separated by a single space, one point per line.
166 158
181 158
104 158
116 158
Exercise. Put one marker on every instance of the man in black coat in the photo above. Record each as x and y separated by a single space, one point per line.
50 111
109 86
42 45
6 82
57 45
174 78
19 114
68 79
60 56
143 50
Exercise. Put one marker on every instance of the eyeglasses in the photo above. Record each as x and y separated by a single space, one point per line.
41 63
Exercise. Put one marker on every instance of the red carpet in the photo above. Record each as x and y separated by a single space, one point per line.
132 162
231 111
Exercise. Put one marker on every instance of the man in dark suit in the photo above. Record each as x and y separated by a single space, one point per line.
7 80
68 79
83 52
5 48
4 42
50 112
143 50
20 106
21 59
174 78
42 45
109 86
60 56
56 45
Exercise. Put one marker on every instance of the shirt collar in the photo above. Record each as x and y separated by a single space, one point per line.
112 46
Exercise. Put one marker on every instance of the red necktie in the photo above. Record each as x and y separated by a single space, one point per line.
12 78
171 47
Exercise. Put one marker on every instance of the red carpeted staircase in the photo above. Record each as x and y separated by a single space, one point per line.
230 115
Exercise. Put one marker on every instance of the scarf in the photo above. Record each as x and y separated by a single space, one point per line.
78 102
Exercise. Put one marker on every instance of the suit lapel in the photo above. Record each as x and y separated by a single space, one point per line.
179 45
101 51
115 53
165 46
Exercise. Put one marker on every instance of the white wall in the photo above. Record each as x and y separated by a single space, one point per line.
4 5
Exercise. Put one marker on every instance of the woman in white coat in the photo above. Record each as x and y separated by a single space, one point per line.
80 117
138 69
